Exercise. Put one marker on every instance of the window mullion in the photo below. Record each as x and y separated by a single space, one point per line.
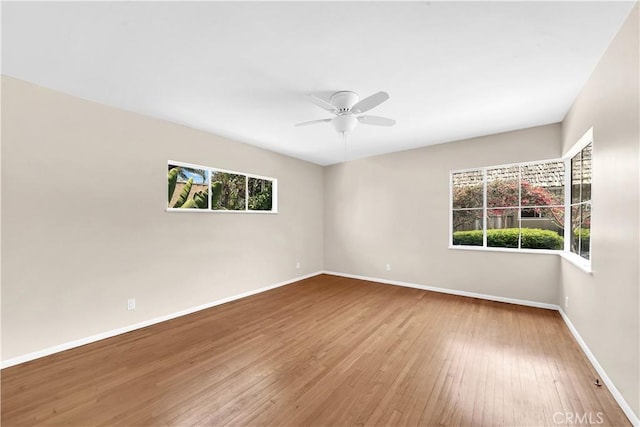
246 193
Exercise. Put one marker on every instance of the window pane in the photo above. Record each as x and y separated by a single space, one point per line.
502 218
586 174
188 188
502 187
502 228
575 228
228 191
576 177
467 189
545 218
584 232
530 213
544 230
260 194
542 184
467 227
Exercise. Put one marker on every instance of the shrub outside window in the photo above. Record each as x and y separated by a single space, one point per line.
205 189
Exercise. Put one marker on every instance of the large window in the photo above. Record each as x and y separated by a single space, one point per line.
535 206
581 202
205 189
514 206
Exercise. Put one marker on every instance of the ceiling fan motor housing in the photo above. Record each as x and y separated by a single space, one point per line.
344 100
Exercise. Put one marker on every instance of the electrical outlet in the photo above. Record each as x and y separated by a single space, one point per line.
298 264
131 304
387 267
566 301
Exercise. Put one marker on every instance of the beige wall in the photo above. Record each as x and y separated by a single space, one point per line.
604 307
84 225
394 209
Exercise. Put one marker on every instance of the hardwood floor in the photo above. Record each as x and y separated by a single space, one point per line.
323 351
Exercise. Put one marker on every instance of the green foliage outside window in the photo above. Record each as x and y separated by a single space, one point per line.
232 193
260 194
532 238
210 189
192 190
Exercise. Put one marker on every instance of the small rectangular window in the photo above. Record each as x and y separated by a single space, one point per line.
200 188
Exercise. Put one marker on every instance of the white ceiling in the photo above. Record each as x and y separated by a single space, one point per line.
237 69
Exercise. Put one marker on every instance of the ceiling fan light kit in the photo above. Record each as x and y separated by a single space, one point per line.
345 105
344 123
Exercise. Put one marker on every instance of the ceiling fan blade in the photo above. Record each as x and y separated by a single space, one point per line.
369 102
376 121
312 122
322 103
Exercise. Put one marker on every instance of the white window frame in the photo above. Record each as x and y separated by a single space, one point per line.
485 208
566 253
580 262
246 210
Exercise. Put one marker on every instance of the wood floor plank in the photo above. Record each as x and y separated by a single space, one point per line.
323 351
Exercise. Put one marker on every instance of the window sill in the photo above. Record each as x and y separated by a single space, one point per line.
578 261
219 211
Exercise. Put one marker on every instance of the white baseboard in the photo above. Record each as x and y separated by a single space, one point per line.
596 365
450 291
601 372
108 334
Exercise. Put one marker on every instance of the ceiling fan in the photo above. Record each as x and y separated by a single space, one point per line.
346 105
